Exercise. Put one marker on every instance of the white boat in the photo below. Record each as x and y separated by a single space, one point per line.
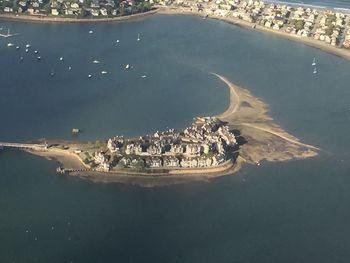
314 62
61 58
75 130
35 51
89 76
315 71
8 34
104 72
69 68
27 46
27 50
38 58
52 74
17 47
91 32
143 76
127 66
96 62
117 41
138 37
10 45
21 58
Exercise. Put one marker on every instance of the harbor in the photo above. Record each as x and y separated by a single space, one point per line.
279 211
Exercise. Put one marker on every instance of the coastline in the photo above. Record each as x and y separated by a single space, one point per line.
54 19
339 52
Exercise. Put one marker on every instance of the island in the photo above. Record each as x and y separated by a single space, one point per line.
210 147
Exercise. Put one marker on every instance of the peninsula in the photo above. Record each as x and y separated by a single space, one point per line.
210 147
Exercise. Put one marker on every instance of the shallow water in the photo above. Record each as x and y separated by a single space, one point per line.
296 211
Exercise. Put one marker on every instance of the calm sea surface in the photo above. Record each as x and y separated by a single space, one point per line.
297 211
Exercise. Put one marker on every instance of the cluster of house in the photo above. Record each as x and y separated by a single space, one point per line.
303 21
69 8
30 6
275 16
346 42
323 25
248 11
208 142
331 27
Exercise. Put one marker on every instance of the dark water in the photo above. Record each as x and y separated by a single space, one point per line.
295 211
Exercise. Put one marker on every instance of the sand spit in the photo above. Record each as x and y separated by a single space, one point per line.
265 140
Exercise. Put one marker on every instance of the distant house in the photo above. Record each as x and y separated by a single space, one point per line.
95 12
54 12
8 9
104 12
22 3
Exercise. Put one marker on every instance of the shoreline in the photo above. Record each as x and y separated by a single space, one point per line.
339 52
261 140
60 19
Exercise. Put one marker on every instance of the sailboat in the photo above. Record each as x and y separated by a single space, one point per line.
138 37
314 62
8 34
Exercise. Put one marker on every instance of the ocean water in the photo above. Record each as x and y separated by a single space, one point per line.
321 3
296 211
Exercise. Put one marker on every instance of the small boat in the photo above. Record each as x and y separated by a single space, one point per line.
61 58
69 68
10 45
117 41
315 71
52 74
27 50
104 72
21 58
89 76
91 32
36 52
38 58
138 37
143 76
27 46
75 130
314 62
127 66
96 62
17 47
